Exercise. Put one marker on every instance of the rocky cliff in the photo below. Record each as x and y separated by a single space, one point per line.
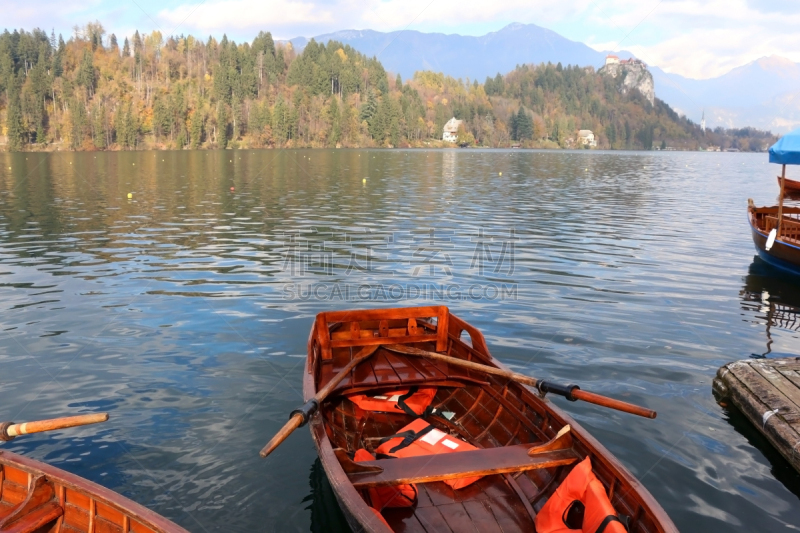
632 75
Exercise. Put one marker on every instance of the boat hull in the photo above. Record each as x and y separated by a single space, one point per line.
791 186
782 255
628 495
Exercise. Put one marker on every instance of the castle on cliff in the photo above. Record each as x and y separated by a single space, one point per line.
630 74
614 60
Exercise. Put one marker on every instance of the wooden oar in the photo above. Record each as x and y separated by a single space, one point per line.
299 417
570 392
10 430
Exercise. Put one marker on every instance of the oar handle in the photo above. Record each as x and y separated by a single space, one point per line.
299 417
611 403
574 393
295 422
10 430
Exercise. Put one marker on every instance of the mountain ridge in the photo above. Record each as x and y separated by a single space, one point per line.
763 93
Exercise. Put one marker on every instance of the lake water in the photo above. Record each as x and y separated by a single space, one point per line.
184 310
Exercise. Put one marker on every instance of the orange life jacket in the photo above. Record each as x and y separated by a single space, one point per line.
580 491
414 401
421 438
383 497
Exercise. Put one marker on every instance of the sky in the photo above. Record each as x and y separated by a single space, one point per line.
693 38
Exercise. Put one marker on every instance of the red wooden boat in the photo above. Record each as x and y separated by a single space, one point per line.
526 446
37 497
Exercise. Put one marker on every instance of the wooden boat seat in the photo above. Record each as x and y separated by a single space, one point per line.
473 463
37 510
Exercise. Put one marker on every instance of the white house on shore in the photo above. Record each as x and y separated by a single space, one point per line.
451 130
586 138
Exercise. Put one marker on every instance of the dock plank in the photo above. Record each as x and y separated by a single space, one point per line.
767 392
786 386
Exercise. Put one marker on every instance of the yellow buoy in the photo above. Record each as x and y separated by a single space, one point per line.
364 180
130 195
500 173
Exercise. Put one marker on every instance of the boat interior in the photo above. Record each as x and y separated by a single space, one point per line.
521 456
765 219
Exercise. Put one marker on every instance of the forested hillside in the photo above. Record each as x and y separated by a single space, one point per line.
94 92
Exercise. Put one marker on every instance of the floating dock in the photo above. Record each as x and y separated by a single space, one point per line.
767 391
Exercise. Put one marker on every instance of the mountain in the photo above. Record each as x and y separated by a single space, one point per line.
406 52
764 93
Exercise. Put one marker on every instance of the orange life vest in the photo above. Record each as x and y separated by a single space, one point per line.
421 438
383 497
580 491
414 401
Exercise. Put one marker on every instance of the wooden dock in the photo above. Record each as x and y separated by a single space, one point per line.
767 391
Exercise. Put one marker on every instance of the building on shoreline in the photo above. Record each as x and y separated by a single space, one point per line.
586 138
451 130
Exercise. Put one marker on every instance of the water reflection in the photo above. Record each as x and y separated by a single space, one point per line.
326 515
771 298
780 468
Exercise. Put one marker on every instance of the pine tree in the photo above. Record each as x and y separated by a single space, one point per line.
394 132
16 134
369 108
86 73
196 133
126 48
222 126
524 125
161 121
238 117
279 122
78 117
98 127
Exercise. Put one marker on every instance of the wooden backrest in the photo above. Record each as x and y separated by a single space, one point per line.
379 326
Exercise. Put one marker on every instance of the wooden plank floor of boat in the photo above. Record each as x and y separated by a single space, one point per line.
767 392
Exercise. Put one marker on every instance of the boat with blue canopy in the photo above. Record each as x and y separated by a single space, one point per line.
776 229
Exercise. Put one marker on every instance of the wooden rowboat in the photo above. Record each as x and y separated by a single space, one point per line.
37 497
525 449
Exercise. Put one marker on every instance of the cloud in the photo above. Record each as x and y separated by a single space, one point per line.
304 17
63 14
704 39
233 15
